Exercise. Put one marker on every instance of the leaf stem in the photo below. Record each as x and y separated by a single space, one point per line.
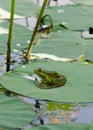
35 30
10 35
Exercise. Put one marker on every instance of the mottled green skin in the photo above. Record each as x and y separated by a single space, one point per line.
49 79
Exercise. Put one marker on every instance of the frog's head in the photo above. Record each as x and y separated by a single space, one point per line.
39 71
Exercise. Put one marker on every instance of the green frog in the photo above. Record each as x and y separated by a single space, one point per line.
49 79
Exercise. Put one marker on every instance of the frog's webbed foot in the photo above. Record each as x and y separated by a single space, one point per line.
37 81
50 85
40 84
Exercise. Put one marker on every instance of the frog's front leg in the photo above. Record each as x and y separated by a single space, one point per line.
39 83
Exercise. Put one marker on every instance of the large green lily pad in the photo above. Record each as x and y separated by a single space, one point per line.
20 39
22 8
77 17
65 43
78 88
85 2
62 126
14 113
62 42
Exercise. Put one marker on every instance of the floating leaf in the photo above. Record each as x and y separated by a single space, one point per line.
78 88
65 43
62 126
22 8
14 113
21 37
84 2
78 17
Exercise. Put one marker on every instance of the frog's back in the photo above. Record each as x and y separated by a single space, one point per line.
54 83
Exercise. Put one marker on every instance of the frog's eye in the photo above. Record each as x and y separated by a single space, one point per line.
40 69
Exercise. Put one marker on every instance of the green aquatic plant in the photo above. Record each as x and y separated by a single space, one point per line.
35 30
10 35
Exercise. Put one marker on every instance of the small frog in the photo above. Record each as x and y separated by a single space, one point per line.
49 79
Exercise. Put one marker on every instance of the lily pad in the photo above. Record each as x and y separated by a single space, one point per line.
65 43
62 126
14 113
79 79
84 2
20 40
22 8
77 17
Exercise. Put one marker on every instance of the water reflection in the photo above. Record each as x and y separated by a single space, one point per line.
50 112
54 112
16 59
85 114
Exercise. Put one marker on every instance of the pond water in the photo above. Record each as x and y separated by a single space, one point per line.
55 112
49 112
